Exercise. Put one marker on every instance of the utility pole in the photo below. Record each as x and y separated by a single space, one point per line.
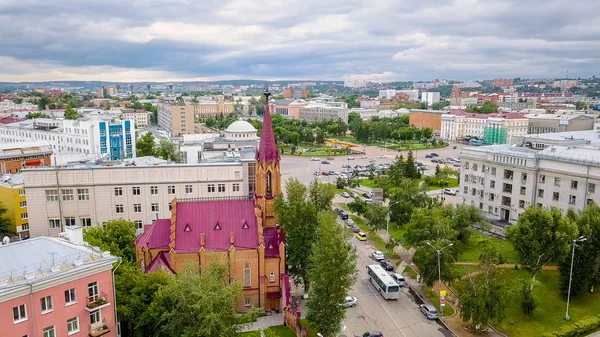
439 252
579 239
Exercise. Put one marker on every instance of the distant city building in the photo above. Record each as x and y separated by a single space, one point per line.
355 83
368 104
315 111
139 116
57 287
12 196
179 119
494 128
294 93
502 82
564 85
287 108
551 123
430 98
468 84
426 119
16 156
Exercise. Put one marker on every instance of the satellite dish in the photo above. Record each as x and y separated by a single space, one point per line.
5 240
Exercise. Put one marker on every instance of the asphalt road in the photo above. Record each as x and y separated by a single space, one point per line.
393 318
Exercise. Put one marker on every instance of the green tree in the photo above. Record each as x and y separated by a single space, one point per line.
397 170
358 206
426 259
116 236
321 195
407 197
466 217
377 217
332 258
385 183
71 114
43 102
430 224
167 151
33 115
525 292
5 224
540 237
298 217
341 183
145 146
410 170
352 101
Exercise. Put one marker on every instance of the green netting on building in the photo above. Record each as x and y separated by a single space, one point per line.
494 136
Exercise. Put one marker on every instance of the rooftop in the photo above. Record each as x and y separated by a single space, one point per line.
559 116
510 115
11 180
20 149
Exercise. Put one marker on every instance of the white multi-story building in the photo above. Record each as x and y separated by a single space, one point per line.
316 111
97 135
430 97
504 180
140 116
139 190
387 93
458 124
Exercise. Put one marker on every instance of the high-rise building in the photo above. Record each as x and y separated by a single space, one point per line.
179 119
430 98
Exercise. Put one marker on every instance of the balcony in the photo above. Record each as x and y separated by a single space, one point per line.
98 302
99 329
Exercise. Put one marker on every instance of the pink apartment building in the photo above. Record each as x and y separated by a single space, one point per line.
55 287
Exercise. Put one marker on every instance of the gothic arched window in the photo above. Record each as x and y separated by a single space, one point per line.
269 190
247 280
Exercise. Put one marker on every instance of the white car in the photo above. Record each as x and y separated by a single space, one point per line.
350 158
364 157
345 195
399 279
450 191
315 159
381 156
377 255
349 301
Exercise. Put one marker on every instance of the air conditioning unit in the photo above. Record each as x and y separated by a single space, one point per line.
55 269
30 276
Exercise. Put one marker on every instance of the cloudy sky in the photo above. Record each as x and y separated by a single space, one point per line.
163 40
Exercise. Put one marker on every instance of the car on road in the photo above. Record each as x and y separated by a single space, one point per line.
428 156
315 158
387 265
368 195
434 160
333 173
433 154
361 236
353 194
429 311
399 279
330 158
325 173
372 161
350 158
325 162
454 147
349 301
354 228
377 255
349 222
345 194
372 334
450 191
381 156
364 157
369 201
343 215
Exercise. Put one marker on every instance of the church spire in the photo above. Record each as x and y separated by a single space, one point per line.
267 150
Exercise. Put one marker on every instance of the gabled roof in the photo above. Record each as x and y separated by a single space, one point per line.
156 235
161 262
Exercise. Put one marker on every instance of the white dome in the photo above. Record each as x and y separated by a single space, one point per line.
240 126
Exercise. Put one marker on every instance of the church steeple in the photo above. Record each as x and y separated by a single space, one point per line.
267 150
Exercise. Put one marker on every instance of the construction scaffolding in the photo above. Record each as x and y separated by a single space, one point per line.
494 135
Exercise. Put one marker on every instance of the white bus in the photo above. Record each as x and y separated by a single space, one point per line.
383 282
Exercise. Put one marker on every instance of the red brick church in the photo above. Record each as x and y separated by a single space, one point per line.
245 232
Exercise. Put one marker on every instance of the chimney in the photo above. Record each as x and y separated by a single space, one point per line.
231 238
202 240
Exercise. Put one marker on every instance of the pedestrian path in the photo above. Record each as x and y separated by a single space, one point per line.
263 323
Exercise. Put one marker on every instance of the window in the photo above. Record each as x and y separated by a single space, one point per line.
493 171
137 208
272 276
92 291
23 204
19 314
119 209
24 216
138 224
70 297
508 174
69 221
136 190
67 194
540 193
574 184
542 179
118 191
247 280
51 195
46 303
211 188
94 316
467 165
591 188
524 176
73 325
21 192
572 199
54 223
154 207
236 187
222 187
507 188
465 190
25 227
555 196
188 188
523 190
492 183
474 167
49 332
237 174
247 302
521 203
556 181
153 189
83 194
171 189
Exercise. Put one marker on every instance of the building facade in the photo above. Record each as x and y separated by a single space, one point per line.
314 111
15 157
56 287
426 119
550 123
242 231
494 128
139 116
139 190
12 196
504 180
430 98
179 119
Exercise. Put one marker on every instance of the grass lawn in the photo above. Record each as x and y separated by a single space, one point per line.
415 146
249 334
410 272
368 183
471 251
280 331
310 332
550 313
336 190
461 270
452 183
343 206
448 309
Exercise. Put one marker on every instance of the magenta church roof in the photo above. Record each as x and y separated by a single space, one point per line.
267 150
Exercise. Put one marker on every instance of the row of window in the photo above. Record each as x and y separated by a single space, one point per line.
70 221
67 194
136 190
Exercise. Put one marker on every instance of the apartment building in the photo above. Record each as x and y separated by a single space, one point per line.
502 82
16 156
94 135
139 116
56 287
550 123
12 196
430 98
426 119
288 108
322 111
179 119
503 180
138 190
494 128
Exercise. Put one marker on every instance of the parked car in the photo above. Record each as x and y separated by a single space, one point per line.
399 279
434 160
372 334
349 222
349 301
429 311
354 228
345 194
368 195
381 156
387 265
343 215
369 201
332 173
428 156
330 158
325 173
454 147
350 158
372 161
345 166
315 158
450 191
364 157
353 194
433 154
316 173
361 236
325 162
377 255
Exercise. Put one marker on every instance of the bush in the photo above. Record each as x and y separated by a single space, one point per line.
579 328
528 304
358 206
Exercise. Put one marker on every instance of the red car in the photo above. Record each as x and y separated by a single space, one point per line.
325 173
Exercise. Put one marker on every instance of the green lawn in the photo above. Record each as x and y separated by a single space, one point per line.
310 332
313 150
249 334
471 251
435 298
415 146
280 331
452 183
461 270
410 272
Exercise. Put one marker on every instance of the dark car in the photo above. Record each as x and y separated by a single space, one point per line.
367 195
387 265
325 173
433 154
343 215
330 158
434 160
372 334
324 162
354 228
428 156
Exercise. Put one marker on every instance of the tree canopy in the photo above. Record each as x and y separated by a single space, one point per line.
116 236
145 145
5 225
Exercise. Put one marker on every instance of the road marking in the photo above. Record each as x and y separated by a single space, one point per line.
383 306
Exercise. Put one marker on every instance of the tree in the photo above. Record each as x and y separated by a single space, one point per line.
528 304
407 197
33 115
466 217
385 183
116 236
541 237
167 151
410 170
145 146
71 114
397 170
430 224
298 217
43 102
321 195
426 259
332 258
5 224
358 206
352 101
377 217
199 304
341 183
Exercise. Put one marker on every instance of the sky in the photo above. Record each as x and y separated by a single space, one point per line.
377 40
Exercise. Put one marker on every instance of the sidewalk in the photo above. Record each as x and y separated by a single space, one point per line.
263 323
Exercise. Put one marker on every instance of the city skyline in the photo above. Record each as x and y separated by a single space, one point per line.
337 40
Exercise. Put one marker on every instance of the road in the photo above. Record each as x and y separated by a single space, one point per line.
394 318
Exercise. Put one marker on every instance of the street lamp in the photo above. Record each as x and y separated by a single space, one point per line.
439 251
387 228
579 239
